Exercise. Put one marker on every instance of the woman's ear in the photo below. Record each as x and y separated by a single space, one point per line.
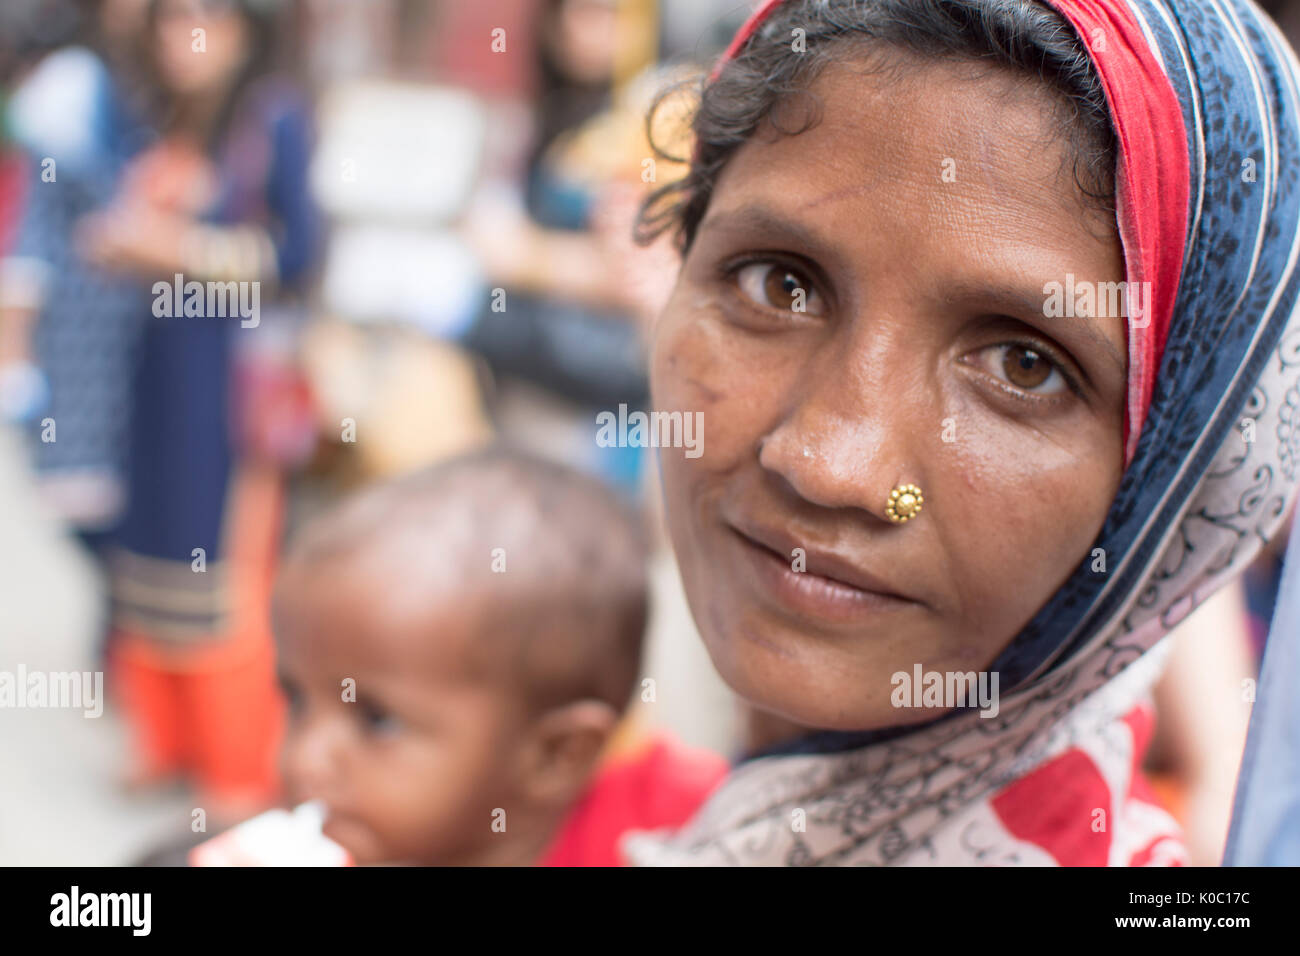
564 746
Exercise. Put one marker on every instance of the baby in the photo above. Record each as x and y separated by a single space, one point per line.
458 647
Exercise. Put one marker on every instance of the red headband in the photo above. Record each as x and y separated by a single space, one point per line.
1152 175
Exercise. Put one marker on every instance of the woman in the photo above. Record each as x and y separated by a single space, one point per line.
68 329
922 464
222 198
567 323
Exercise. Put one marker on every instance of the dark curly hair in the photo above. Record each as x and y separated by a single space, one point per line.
1024 35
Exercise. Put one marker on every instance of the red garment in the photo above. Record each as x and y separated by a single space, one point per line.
11 196
1153 181
660 785
211 709
1061 807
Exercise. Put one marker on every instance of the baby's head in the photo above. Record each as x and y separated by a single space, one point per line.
457 647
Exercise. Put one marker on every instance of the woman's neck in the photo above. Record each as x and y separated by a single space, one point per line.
764 731
196 116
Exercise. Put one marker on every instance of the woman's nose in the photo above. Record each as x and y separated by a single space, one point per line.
852 431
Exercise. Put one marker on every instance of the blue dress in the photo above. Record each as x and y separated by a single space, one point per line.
89 319
183 453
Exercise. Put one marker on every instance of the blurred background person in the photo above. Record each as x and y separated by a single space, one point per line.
221 196
555 238
68 328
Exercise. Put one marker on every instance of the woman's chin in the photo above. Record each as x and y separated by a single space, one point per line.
770 671
792 705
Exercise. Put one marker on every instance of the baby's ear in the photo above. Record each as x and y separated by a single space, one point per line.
565 746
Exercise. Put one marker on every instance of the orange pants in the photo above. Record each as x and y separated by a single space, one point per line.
221 724
212 710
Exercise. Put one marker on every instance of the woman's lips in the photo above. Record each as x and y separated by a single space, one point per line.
810 595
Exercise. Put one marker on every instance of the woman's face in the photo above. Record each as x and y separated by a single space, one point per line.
192 62
583 39
919 221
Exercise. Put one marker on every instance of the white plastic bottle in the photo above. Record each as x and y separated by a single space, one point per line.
274 838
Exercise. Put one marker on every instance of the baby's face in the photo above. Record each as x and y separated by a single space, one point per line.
389 726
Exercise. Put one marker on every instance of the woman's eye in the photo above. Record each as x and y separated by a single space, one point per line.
1025 368
775 286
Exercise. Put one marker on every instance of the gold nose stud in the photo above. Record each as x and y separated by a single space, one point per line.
904 503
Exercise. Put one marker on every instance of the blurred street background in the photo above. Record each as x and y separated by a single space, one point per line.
435 199
418 156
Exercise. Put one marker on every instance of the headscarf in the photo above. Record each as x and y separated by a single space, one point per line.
1204 97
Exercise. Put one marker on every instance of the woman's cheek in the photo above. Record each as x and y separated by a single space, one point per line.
1030 508
701 364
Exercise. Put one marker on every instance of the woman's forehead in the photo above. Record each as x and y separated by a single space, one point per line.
938 136
969 181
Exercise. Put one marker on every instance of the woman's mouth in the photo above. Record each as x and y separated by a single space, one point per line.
813 585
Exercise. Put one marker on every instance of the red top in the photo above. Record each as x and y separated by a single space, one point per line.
11 194
661 784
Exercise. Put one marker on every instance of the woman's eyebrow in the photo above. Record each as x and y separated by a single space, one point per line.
1021 301
1018 300
766 222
